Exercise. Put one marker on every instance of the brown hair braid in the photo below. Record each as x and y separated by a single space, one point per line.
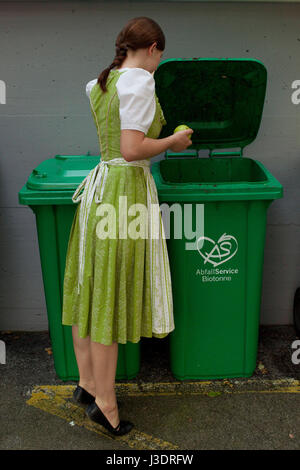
138 33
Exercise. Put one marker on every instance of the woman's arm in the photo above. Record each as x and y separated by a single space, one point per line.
135 146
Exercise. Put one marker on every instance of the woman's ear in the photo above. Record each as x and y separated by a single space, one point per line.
153 46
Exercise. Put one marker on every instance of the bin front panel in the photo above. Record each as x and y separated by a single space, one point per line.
217 290
53 226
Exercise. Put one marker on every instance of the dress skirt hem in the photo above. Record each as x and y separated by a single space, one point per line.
104 342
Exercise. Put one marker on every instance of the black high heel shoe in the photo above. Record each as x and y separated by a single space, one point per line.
95 414
83 398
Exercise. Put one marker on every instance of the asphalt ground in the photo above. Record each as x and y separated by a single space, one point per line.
257 413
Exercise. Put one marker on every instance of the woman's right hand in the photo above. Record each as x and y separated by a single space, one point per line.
181 140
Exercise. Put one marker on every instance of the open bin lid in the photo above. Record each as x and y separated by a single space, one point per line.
220 99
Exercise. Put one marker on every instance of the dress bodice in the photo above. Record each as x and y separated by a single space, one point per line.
105 112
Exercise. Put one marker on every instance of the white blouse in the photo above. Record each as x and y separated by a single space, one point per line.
136 92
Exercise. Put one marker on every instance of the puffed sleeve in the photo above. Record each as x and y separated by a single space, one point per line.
89 86
136 91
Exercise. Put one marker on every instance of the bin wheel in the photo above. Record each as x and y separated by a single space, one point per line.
297 311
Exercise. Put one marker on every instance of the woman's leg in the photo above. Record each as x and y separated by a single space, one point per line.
104 360
84 361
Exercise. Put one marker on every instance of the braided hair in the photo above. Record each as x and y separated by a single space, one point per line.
140 32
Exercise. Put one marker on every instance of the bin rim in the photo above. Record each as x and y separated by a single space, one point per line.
270 188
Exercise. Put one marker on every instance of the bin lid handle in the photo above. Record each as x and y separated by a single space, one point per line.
238 153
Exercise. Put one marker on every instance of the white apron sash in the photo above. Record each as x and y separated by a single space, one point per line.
161 289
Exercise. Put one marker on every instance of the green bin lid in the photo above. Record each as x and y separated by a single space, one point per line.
220 99
63 172
54 180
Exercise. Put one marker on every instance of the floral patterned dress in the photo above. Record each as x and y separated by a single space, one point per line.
123 294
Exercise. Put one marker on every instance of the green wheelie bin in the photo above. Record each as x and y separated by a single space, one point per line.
214 210
48 192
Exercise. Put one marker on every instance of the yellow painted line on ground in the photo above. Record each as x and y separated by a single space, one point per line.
55 399
295 389
208 387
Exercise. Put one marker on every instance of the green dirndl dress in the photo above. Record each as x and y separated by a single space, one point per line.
116 289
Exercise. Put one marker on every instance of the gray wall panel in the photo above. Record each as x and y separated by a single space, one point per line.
49 50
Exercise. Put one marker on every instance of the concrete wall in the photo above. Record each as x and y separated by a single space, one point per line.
49 50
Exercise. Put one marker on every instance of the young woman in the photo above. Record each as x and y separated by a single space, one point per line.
118 288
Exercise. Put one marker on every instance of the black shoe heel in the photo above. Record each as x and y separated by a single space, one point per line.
84 398
95 414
